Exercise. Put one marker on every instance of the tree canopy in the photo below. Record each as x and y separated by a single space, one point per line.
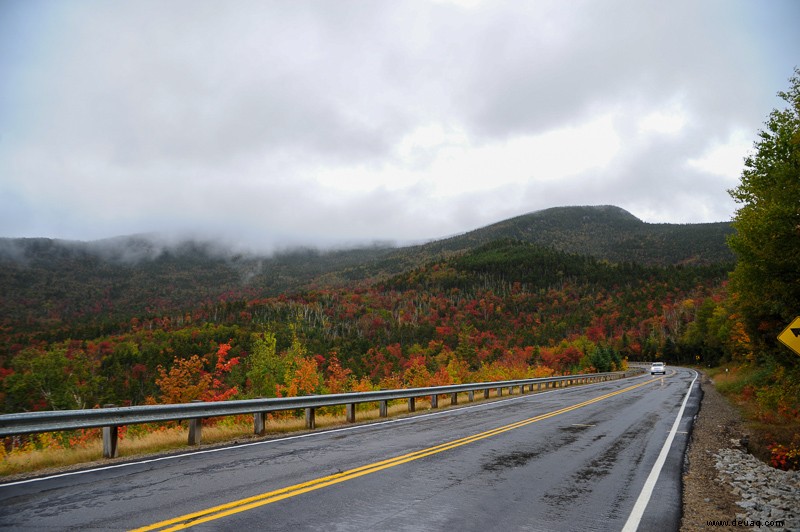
766 280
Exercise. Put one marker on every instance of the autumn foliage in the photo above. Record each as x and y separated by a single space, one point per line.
507 310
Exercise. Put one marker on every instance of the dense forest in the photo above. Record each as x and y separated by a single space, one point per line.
505 309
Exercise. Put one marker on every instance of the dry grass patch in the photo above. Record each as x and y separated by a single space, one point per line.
769 409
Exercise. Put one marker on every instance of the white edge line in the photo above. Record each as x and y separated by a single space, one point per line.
632 524
279 440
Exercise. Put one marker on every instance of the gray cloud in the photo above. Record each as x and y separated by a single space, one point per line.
230 121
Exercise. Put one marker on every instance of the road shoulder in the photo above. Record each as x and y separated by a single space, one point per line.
705 497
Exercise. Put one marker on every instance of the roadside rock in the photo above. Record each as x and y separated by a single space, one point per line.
768 496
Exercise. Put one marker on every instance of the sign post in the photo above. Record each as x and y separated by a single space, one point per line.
790 337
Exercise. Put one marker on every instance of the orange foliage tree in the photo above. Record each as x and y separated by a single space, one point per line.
337 379
304 380
219 390
185 381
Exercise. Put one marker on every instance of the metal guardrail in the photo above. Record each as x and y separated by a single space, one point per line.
111 418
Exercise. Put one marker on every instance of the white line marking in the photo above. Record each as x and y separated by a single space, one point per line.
647 491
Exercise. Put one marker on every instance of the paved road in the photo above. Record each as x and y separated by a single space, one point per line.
569 459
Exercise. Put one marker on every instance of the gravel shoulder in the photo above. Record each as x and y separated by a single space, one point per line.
705 498
726 488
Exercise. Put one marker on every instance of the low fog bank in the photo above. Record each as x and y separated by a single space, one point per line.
134 249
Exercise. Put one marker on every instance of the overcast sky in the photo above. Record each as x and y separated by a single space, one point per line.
340 122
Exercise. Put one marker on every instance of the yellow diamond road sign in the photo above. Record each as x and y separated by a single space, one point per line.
791 336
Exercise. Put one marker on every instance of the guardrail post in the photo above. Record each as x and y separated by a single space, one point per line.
454 398
383 406
195 431
195 428
471 395
110 438
486 393
412 404
499 392
260 423
351 412
434 401
311 421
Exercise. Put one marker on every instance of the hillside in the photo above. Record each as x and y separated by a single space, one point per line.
506 309
602 232
54 286
610 233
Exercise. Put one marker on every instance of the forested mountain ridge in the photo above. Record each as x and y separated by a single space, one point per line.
610 233
55 285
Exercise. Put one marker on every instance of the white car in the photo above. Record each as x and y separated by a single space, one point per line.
658 367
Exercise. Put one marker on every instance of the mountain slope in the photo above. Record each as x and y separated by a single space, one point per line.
610 233
52 284
603 232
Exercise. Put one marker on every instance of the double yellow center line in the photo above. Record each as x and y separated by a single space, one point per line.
242 505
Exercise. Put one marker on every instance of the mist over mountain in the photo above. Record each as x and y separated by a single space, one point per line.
57 281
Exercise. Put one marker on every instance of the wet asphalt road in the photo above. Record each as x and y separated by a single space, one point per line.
569 459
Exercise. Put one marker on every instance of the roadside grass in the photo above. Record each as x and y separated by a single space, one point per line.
140 441
769 404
